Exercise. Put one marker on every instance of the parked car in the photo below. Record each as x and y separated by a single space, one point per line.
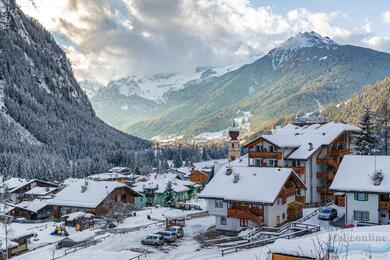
154 240
168 236
365 224
178 231
327 214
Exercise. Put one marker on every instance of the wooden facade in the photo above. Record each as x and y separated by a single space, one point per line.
199 177
120 195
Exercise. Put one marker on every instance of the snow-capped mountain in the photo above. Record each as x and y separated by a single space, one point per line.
91 87
303 73
294 44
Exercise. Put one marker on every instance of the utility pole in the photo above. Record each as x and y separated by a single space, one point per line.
4 197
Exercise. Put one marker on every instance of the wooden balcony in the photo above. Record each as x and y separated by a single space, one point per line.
328 161
299 170
339 152
340 201
322 160
265 155
325 175
287 192
300 199
384 205
324 190
255 215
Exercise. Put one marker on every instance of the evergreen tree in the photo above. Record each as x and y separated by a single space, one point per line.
178 161
169 199
366 143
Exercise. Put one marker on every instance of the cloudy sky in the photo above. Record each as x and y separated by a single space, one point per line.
109 39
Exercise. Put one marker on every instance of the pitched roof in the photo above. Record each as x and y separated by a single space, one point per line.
14 184
159 182
300 137
33 206
107 176
356 171
40 190
256 184
95 193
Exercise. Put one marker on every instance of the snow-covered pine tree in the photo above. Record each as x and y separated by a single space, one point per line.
178 161
366 142
169 199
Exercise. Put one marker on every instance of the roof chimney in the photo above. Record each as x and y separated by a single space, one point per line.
236 177
310 146
377 177
229 170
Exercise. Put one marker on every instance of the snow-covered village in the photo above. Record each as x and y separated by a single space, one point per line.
194 130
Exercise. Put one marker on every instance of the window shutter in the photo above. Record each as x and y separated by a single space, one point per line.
355 195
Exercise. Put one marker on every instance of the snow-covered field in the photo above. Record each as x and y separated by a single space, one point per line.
128 245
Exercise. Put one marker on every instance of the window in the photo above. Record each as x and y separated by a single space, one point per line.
223 220
218 203
271 162
257 148
243 222
361 196
361 215
271 149
283 216
257 162
233 157
123 199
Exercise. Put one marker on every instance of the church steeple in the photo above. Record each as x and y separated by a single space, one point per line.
234 143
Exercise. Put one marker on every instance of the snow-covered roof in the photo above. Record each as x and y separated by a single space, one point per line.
13 184
33 206
356 171
175 214
13 235
95 193
77 215
107 176
300 137
119 169
340 240
256 184
82 236
40 191
159 182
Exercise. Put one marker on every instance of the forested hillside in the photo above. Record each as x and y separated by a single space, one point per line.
304 74
48 128
373 96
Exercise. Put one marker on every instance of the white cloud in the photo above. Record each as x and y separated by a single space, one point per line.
112 39
386 17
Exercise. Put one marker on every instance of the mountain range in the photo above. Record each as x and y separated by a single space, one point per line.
303 74
48 128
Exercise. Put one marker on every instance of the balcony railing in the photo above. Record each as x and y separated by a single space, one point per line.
325 175
339 152
384 205
299 170
301 199
328 161
323 190
264 154
255 215
287 192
